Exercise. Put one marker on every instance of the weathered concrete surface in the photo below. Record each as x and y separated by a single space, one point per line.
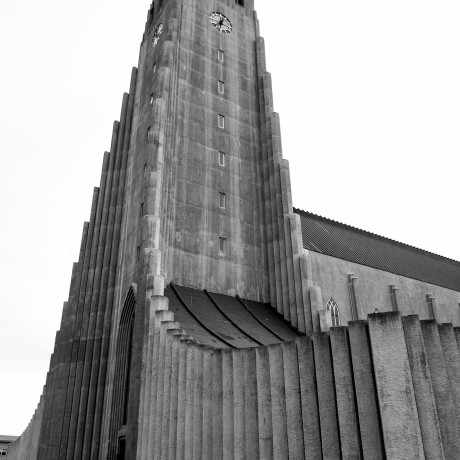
350 441
366 392
445 403
309 400
424 395
398 409
329 422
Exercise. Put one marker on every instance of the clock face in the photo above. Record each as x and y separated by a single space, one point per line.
220 22
156 35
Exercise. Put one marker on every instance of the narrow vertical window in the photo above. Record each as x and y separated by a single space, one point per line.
222 200
334 311
221 159
138 253
221 121
151 99
154 69
142 211
222 246
220 55
221 87
149 129
145 168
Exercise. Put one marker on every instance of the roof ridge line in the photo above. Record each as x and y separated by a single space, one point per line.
374 235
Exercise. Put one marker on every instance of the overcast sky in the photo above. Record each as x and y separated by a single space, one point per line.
369 98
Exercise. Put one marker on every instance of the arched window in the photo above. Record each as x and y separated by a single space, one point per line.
334 311
120 397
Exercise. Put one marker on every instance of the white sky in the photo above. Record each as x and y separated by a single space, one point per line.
369 98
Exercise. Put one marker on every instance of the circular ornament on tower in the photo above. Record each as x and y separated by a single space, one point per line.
220 22
156 35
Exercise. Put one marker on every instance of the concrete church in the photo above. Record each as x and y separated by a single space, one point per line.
209 319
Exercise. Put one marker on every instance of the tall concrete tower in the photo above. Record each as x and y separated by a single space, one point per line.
194 328
194 193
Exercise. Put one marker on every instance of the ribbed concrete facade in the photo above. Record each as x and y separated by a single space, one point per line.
193 215
386 388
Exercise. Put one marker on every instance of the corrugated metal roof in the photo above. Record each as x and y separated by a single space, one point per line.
223 321
348 243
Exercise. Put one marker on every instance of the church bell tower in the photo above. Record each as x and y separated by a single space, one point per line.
207 191
194 197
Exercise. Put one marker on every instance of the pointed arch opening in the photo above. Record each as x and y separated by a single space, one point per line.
120 397
334 311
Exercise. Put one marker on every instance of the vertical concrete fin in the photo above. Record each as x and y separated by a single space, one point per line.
68 330
424 396
217 405
239 413
105 300
197 448
350 439
164 422
398 409
294 418
452 362
153 381
365 391
228 402
162 316
91 302
308 399
444 399
251 420
168 448
207 395
189 402
273 268
264 403
299 287
330 436
67 434
278 401
177 451
76 436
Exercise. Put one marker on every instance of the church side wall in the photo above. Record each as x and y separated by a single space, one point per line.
373 291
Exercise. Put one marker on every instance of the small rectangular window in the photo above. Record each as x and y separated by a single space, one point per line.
222 200
221 121
220 55
138 253
222 246
145 168
221 87
221 158
151 99
142 211
154 69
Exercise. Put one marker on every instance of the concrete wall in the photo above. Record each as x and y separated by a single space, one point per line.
385 388
373 291
27 445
